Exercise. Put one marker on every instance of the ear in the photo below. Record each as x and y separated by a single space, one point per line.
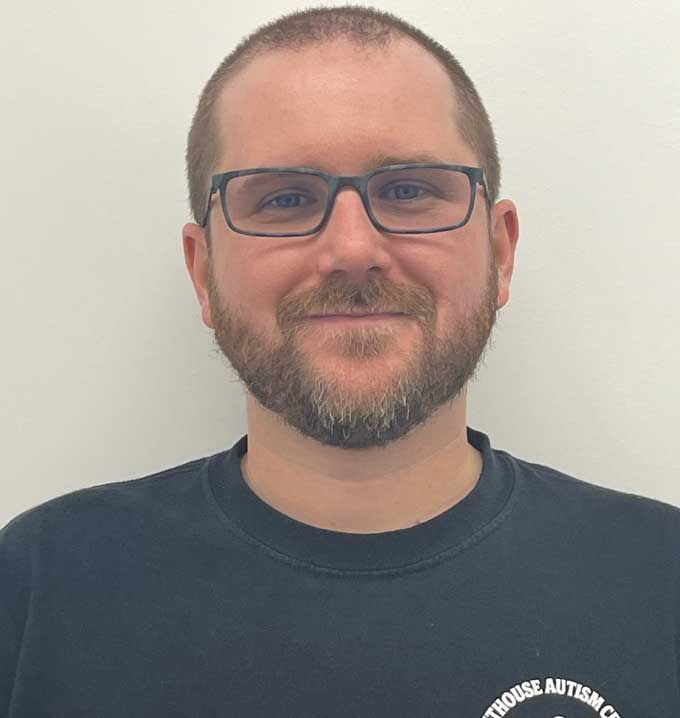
198 263
504 236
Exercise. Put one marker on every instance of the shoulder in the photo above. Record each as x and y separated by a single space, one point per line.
567 498
80 514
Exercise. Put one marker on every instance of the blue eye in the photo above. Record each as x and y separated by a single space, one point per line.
286 203
411 191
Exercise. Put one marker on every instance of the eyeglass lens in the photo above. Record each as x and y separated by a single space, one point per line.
414 200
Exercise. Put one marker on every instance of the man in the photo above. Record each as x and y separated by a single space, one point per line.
360 551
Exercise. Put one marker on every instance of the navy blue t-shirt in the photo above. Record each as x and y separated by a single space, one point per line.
185 594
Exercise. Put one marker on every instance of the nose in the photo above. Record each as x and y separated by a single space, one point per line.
349 244
349 214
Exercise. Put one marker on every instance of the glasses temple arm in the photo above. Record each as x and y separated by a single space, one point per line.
207 211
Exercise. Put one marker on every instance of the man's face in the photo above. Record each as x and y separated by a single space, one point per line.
358 385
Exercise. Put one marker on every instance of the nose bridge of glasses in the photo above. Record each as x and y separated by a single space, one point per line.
339 183
356 182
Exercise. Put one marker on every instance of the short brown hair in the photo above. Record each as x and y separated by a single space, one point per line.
365 26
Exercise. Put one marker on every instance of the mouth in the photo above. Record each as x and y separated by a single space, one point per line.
356 318
356 315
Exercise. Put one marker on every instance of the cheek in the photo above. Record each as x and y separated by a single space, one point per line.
461 287
259 295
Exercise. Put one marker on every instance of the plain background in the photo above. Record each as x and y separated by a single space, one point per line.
108 371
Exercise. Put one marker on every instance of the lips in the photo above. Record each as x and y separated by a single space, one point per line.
368 314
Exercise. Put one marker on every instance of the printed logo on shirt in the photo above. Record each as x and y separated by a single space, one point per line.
580 700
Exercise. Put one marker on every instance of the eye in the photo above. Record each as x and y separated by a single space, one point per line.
287 201
291 199
403 191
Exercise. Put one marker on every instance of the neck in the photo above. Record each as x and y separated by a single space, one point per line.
367 491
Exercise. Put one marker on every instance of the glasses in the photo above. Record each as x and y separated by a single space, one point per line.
414 198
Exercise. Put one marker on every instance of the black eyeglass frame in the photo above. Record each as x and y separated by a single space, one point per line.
359 182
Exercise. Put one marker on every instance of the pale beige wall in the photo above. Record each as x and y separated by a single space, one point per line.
108 372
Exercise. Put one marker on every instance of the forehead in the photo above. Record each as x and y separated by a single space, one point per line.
336 107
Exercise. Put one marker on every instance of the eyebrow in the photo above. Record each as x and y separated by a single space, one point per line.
374 161
381 160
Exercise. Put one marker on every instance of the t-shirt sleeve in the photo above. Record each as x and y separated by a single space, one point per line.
14 600
673 543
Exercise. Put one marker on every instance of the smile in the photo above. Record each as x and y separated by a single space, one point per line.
356 319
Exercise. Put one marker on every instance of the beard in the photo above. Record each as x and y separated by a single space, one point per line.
352 387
